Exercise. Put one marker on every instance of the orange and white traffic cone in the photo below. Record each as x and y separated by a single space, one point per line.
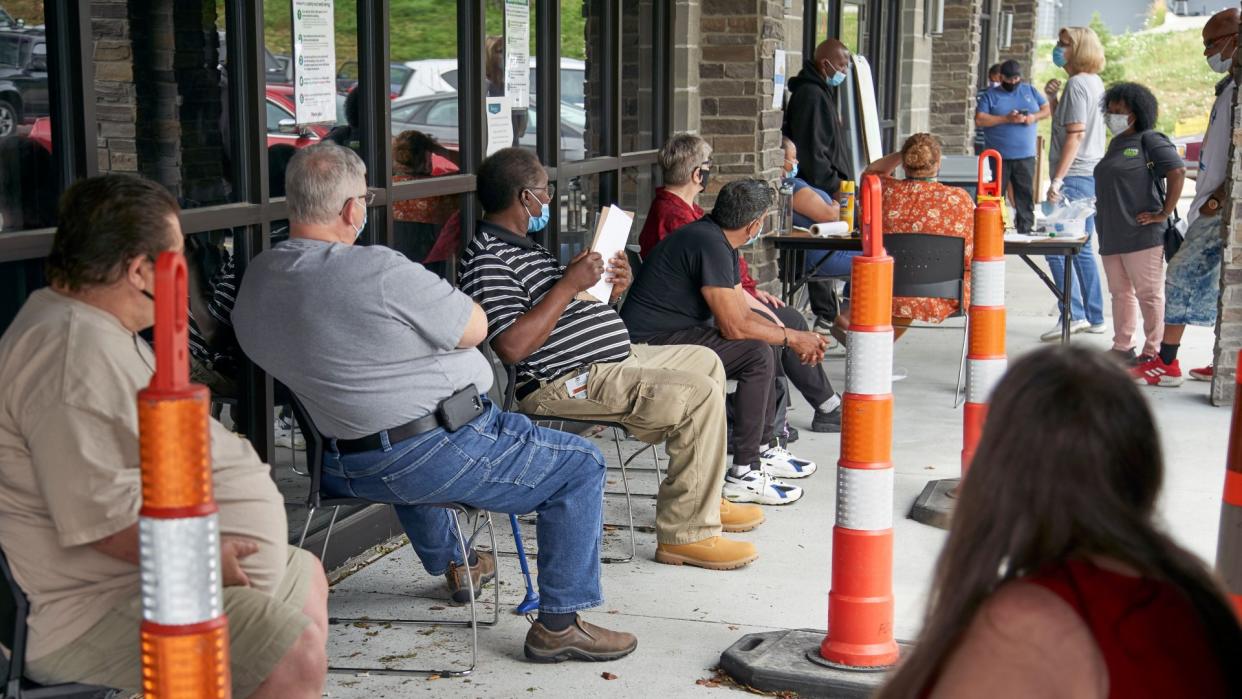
1229 543
184 633
985 360
860 602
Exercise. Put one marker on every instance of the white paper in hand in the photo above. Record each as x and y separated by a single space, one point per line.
611 234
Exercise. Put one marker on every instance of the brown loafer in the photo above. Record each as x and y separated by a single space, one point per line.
715 553
482 572
581 641
736 517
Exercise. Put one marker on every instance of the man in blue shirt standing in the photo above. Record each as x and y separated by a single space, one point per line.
1007 114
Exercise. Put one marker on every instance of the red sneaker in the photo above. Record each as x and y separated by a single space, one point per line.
1156 373
1202 373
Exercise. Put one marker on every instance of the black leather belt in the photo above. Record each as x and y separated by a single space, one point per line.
525 389
401 433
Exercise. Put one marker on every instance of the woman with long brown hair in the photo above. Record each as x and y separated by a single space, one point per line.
1055 580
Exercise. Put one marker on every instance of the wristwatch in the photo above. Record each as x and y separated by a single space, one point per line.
1212 204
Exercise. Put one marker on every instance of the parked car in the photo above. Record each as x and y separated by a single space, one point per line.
23 78
41 132
436 115
409 79
1189 148
277 69
282 127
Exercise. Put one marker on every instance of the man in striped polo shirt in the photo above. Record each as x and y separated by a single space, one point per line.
574 360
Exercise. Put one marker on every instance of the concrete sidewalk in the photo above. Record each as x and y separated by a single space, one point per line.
684 617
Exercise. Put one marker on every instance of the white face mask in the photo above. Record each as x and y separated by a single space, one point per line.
1219 63
1117 123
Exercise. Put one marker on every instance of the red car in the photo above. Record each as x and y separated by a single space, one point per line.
281 128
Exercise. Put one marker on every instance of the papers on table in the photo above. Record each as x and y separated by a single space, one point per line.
611 234
1015 237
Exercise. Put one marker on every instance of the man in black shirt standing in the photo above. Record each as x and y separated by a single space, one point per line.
574 360
811 120
689 292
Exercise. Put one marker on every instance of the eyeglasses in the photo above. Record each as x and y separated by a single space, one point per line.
366 198
1209 43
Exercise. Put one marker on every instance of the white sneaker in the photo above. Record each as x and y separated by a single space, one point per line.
758 487
288 436
1098 329
782 464
1076 326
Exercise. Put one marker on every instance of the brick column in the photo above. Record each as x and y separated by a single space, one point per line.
738 41
116 104
196 60
1229 312
914 94
1025 23
955 57
685 68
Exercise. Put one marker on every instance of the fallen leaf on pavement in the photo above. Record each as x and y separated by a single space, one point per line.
608 676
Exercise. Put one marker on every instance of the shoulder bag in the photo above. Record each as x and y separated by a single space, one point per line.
1175 228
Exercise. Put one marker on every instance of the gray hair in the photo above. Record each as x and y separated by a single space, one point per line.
319 180
740 202
681 155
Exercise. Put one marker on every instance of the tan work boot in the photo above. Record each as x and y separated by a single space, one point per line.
483 572
716 553
581 641
736 517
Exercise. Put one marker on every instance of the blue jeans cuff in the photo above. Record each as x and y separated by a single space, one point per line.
571 608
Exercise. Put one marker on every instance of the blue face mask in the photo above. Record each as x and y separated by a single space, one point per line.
836 79
1058 57
536 224
753 240
793 172
359 229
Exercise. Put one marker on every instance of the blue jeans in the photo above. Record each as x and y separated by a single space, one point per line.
498 462
1087 297
839 264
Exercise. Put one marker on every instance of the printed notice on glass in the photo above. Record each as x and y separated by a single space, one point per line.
517 53
314 62
778 80
499 124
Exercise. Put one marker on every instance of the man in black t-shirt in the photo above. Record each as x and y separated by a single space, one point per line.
689 292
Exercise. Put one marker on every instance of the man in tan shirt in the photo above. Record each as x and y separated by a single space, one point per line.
71 366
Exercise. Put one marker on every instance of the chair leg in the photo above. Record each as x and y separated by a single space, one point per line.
310 514
629 502
482 520
323 555
961 367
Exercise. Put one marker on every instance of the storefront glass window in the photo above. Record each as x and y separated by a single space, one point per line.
423 80
28 172
638 75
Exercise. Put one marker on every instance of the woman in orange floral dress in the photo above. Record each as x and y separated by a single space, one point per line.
920 204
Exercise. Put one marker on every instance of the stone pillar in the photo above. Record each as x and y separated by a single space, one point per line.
955 59
1229 312
116 105
914 93
1025 24
738 41
685 68
200 87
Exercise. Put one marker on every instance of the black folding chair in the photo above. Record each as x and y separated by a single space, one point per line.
932 266
479 521
13 611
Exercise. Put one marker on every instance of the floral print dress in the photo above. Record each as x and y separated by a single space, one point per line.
922 206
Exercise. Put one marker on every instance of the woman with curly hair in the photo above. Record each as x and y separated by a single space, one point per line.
1133 215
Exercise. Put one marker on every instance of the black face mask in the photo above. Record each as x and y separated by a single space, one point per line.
704 174
1010 87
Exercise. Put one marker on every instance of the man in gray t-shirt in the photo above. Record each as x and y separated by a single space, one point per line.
373 345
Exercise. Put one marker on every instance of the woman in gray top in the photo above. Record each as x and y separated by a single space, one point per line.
1077 145
1134 215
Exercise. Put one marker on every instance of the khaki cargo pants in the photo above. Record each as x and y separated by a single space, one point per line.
671 393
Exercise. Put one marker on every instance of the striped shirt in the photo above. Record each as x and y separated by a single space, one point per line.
223 355
508 275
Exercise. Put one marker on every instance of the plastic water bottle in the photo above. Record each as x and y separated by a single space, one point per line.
786 206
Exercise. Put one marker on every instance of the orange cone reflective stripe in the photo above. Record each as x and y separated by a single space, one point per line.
986 360
1229 542
184 634
860 601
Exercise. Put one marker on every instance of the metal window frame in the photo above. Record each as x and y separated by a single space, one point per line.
254 211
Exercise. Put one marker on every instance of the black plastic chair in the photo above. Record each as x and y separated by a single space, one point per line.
932 266
480 520
13 612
